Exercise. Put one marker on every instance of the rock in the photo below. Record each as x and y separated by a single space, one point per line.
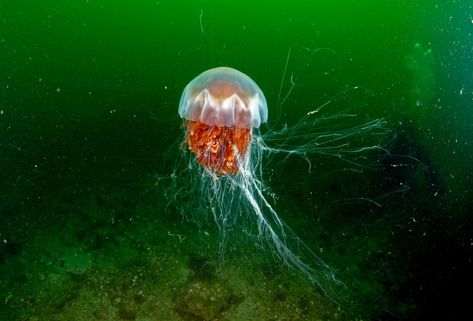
204 301
77 263
126 312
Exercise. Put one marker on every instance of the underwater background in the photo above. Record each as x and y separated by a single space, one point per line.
89 136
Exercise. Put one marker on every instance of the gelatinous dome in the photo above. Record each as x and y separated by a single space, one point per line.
224 96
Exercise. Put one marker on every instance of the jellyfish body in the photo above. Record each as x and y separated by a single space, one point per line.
221 106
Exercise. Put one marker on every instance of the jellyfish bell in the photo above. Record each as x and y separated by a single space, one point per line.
221 106
224 96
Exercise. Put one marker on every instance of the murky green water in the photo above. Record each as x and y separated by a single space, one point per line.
91 226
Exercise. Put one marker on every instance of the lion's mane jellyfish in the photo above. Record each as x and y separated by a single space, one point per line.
224 150
221 107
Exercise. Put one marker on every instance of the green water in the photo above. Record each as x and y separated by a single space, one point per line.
89 134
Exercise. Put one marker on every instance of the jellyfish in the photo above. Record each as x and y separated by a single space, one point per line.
221 107
223 151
